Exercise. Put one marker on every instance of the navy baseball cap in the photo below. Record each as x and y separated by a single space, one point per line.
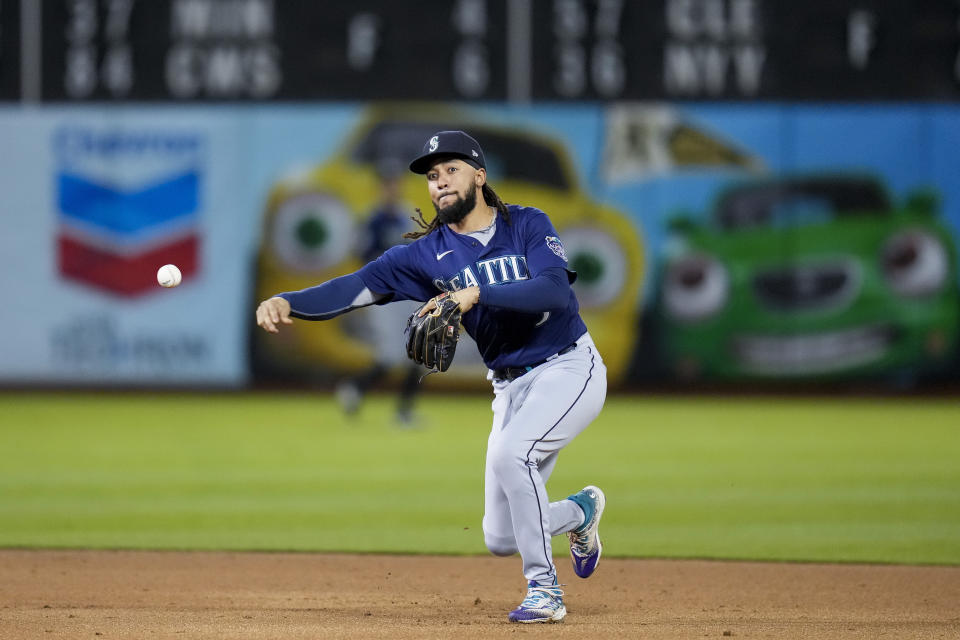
456 144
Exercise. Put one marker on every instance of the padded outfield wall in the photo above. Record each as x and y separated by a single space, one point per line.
807 241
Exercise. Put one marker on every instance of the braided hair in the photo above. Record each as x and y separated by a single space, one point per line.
489 196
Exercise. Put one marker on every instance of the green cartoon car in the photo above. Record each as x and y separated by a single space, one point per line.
808 277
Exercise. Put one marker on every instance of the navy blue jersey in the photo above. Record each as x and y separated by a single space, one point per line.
445 260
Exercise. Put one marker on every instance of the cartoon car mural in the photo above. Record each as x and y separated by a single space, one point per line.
809 276
312 219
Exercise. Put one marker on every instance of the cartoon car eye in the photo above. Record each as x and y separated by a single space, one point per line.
313 231
600 264
915 263
695 287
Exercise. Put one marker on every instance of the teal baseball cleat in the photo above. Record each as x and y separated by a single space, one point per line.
585 547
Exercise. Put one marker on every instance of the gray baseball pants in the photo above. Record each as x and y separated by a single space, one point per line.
534 417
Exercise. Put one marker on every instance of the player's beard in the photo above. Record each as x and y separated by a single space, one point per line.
454 213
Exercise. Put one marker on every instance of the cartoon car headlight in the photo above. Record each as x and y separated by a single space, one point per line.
695 287
915 263
600 264
312 231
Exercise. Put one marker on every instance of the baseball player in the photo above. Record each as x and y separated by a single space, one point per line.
383 230
506 267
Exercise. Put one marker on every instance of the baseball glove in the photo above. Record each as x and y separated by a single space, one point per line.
432 338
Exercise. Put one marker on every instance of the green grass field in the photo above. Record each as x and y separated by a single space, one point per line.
833 479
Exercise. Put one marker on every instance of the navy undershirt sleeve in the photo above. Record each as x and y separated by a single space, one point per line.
326 300
548 291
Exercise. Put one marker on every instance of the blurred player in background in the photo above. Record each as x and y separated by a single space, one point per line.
385 228
506 268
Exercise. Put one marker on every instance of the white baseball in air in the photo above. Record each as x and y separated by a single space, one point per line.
169 275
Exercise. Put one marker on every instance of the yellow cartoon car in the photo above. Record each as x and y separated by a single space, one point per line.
312 221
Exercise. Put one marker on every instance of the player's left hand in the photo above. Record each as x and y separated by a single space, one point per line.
466 298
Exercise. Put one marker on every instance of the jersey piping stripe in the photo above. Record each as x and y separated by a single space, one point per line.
327 315
543 534
358 302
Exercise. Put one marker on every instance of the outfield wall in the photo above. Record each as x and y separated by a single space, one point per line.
96 198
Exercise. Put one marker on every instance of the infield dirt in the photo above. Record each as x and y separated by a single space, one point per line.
135 594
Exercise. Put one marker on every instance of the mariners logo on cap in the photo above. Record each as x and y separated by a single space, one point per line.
445 145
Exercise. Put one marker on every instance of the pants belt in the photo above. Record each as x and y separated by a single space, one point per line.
508 374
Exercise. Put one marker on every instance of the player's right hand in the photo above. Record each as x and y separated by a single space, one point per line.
273 312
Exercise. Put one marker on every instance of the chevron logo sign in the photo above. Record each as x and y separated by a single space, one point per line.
128 202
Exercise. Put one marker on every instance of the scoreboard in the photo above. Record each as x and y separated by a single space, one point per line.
515 50
9 50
